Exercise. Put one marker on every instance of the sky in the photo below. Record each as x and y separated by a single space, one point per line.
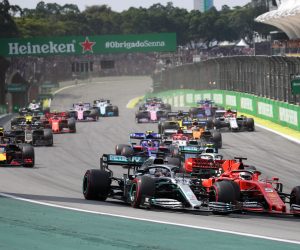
120 5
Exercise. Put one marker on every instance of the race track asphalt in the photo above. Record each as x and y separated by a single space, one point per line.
57 176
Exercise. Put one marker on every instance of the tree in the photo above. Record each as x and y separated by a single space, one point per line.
8 27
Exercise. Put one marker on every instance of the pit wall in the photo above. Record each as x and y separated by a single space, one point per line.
281 113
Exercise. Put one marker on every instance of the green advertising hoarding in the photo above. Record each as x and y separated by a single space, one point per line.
79 45
16 87
295 85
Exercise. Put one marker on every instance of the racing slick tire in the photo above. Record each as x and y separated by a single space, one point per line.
94 114
27 153
250 124
209 123
96 184
217 124
141 188
115 110
119 147
72 125
48 136
127 151
225 191
217 138
295 198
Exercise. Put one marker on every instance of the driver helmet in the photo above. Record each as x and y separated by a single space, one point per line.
245 176
150 144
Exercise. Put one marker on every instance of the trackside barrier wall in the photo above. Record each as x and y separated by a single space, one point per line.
265 76
275 111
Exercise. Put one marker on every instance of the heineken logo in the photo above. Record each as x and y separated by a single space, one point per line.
87 45
49 48
46 48
79 45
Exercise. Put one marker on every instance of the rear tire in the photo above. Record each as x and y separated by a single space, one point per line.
94 114
250 124
295 198
127 151
27 154
119 147
217 138
115 109
96 184
140 189
210 124
72 125
48 136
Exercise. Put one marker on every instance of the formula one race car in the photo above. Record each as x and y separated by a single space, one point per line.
84 112
30 131
106 108
13 154
34 108
150 116
244 186
155 102
229 119
60 122
205 109
149 144
202 133
155 185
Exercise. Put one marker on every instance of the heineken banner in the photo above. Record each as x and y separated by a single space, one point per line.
79 45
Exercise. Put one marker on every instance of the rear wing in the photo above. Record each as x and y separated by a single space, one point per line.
59 114
86 105
202 166
128 162
175 114
141 136
101 101
191 149
170 131
190 123
205 102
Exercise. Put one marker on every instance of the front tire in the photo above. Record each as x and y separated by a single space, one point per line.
140 189
96 184
226 192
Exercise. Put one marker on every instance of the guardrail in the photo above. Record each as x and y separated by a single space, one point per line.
278 112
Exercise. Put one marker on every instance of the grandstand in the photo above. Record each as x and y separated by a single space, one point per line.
287 19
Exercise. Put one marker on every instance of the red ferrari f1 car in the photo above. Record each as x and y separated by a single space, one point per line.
60 122
238 182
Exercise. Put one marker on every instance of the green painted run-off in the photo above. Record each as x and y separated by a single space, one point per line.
30 226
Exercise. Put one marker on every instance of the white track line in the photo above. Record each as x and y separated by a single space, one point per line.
279 133
149 220
67 87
